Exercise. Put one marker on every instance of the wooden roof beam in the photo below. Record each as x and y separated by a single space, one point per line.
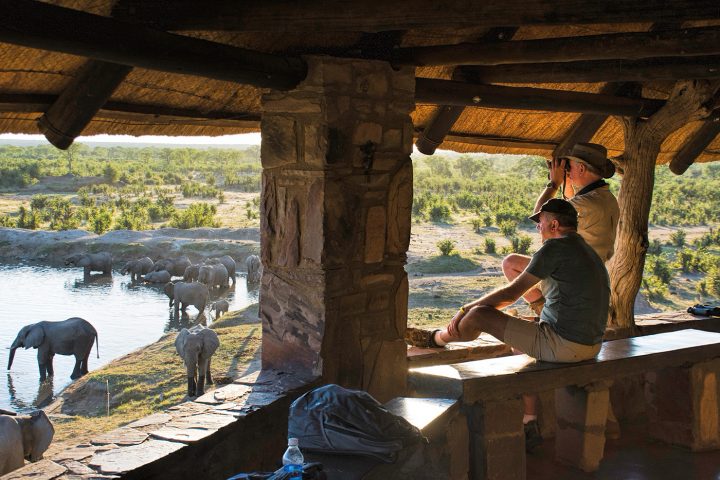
449 92
80 101
36 103
380 15
499 141
695 146
445 116
40 25
646 70
618 46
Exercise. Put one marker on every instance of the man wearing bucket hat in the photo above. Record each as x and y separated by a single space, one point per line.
576 288
582 173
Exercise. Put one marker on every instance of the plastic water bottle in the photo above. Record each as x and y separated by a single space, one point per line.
293 459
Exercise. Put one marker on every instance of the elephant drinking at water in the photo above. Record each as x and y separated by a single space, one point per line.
176 266
137 268
23 437
73 336
91 262
196 346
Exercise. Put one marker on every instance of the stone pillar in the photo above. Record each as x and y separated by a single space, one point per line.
497 440
581 413
684 404
336 201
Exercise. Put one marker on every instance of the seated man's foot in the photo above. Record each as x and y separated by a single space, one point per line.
420 337
533 438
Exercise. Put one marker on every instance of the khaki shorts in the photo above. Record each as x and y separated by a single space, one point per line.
540 341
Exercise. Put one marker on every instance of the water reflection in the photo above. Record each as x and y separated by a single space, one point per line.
126 315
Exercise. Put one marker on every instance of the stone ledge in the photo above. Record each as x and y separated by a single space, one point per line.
236 427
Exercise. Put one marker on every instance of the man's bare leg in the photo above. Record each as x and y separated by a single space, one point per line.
476 320
512 266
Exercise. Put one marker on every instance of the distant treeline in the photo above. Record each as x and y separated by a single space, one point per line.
501 190
147 166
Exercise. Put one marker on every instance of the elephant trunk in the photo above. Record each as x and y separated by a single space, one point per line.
12 357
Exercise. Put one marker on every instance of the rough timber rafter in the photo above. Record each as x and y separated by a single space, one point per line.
380 15
621 46
692 149
445 116
646 70
448 92
40 25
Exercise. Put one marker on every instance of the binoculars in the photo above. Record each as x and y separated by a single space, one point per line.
705 310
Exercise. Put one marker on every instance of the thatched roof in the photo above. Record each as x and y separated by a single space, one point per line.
148 101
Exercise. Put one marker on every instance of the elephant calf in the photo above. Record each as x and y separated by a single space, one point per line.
21 437
91 262
220 307
196 347
74 336
137 268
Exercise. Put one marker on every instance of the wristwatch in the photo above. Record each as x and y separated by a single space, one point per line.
551 185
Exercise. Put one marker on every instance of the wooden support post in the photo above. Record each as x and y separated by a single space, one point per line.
80 101
687 102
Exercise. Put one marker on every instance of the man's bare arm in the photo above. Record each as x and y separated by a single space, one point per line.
556 175
507 295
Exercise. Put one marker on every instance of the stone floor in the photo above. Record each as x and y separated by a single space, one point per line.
632 457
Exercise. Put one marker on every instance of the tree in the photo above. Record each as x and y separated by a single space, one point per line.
471 167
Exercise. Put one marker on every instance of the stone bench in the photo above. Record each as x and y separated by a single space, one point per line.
682 370
445 456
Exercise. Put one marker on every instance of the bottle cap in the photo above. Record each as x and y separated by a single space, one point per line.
293 442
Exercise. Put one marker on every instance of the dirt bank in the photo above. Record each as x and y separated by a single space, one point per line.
17 244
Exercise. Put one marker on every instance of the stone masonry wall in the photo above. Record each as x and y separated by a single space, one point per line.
336 201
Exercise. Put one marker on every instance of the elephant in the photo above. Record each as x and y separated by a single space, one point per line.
229 263
163 276
74 336
191 273
91 262
213 275
176 266
23 437
196 347
137 268
254 268
220 307
182 294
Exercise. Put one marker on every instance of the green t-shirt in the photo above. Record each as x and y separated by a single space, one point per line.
576 288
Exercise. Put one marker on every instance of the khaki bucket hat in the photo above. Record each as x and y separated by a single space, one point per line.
594 155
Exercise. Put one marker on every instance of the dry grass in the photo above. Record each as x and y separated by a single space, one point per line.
149 380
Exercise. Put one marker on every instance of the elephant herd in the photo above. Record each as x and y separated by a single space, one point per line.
27 437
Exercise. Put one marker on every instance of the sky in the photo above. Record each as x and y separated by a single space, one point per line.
244 139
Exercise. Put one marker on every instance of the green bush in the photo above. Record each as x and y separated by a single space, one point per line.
521 244
655 287
111 174
712 281
440 212
658 267
446 246
655 247
6 221
677 238
101 220
490 246
508 228
134 218
29 219
196 215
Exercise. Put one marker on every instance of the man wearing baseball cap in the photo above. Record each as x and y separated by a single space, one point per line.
582 173
576 290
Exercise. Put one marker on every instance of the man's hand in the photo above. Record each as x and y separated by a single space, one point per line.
453 327
557 171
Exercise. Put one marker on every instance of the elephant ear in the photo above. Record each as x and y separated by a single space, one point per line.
211 342
180 342
34 337
41 433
